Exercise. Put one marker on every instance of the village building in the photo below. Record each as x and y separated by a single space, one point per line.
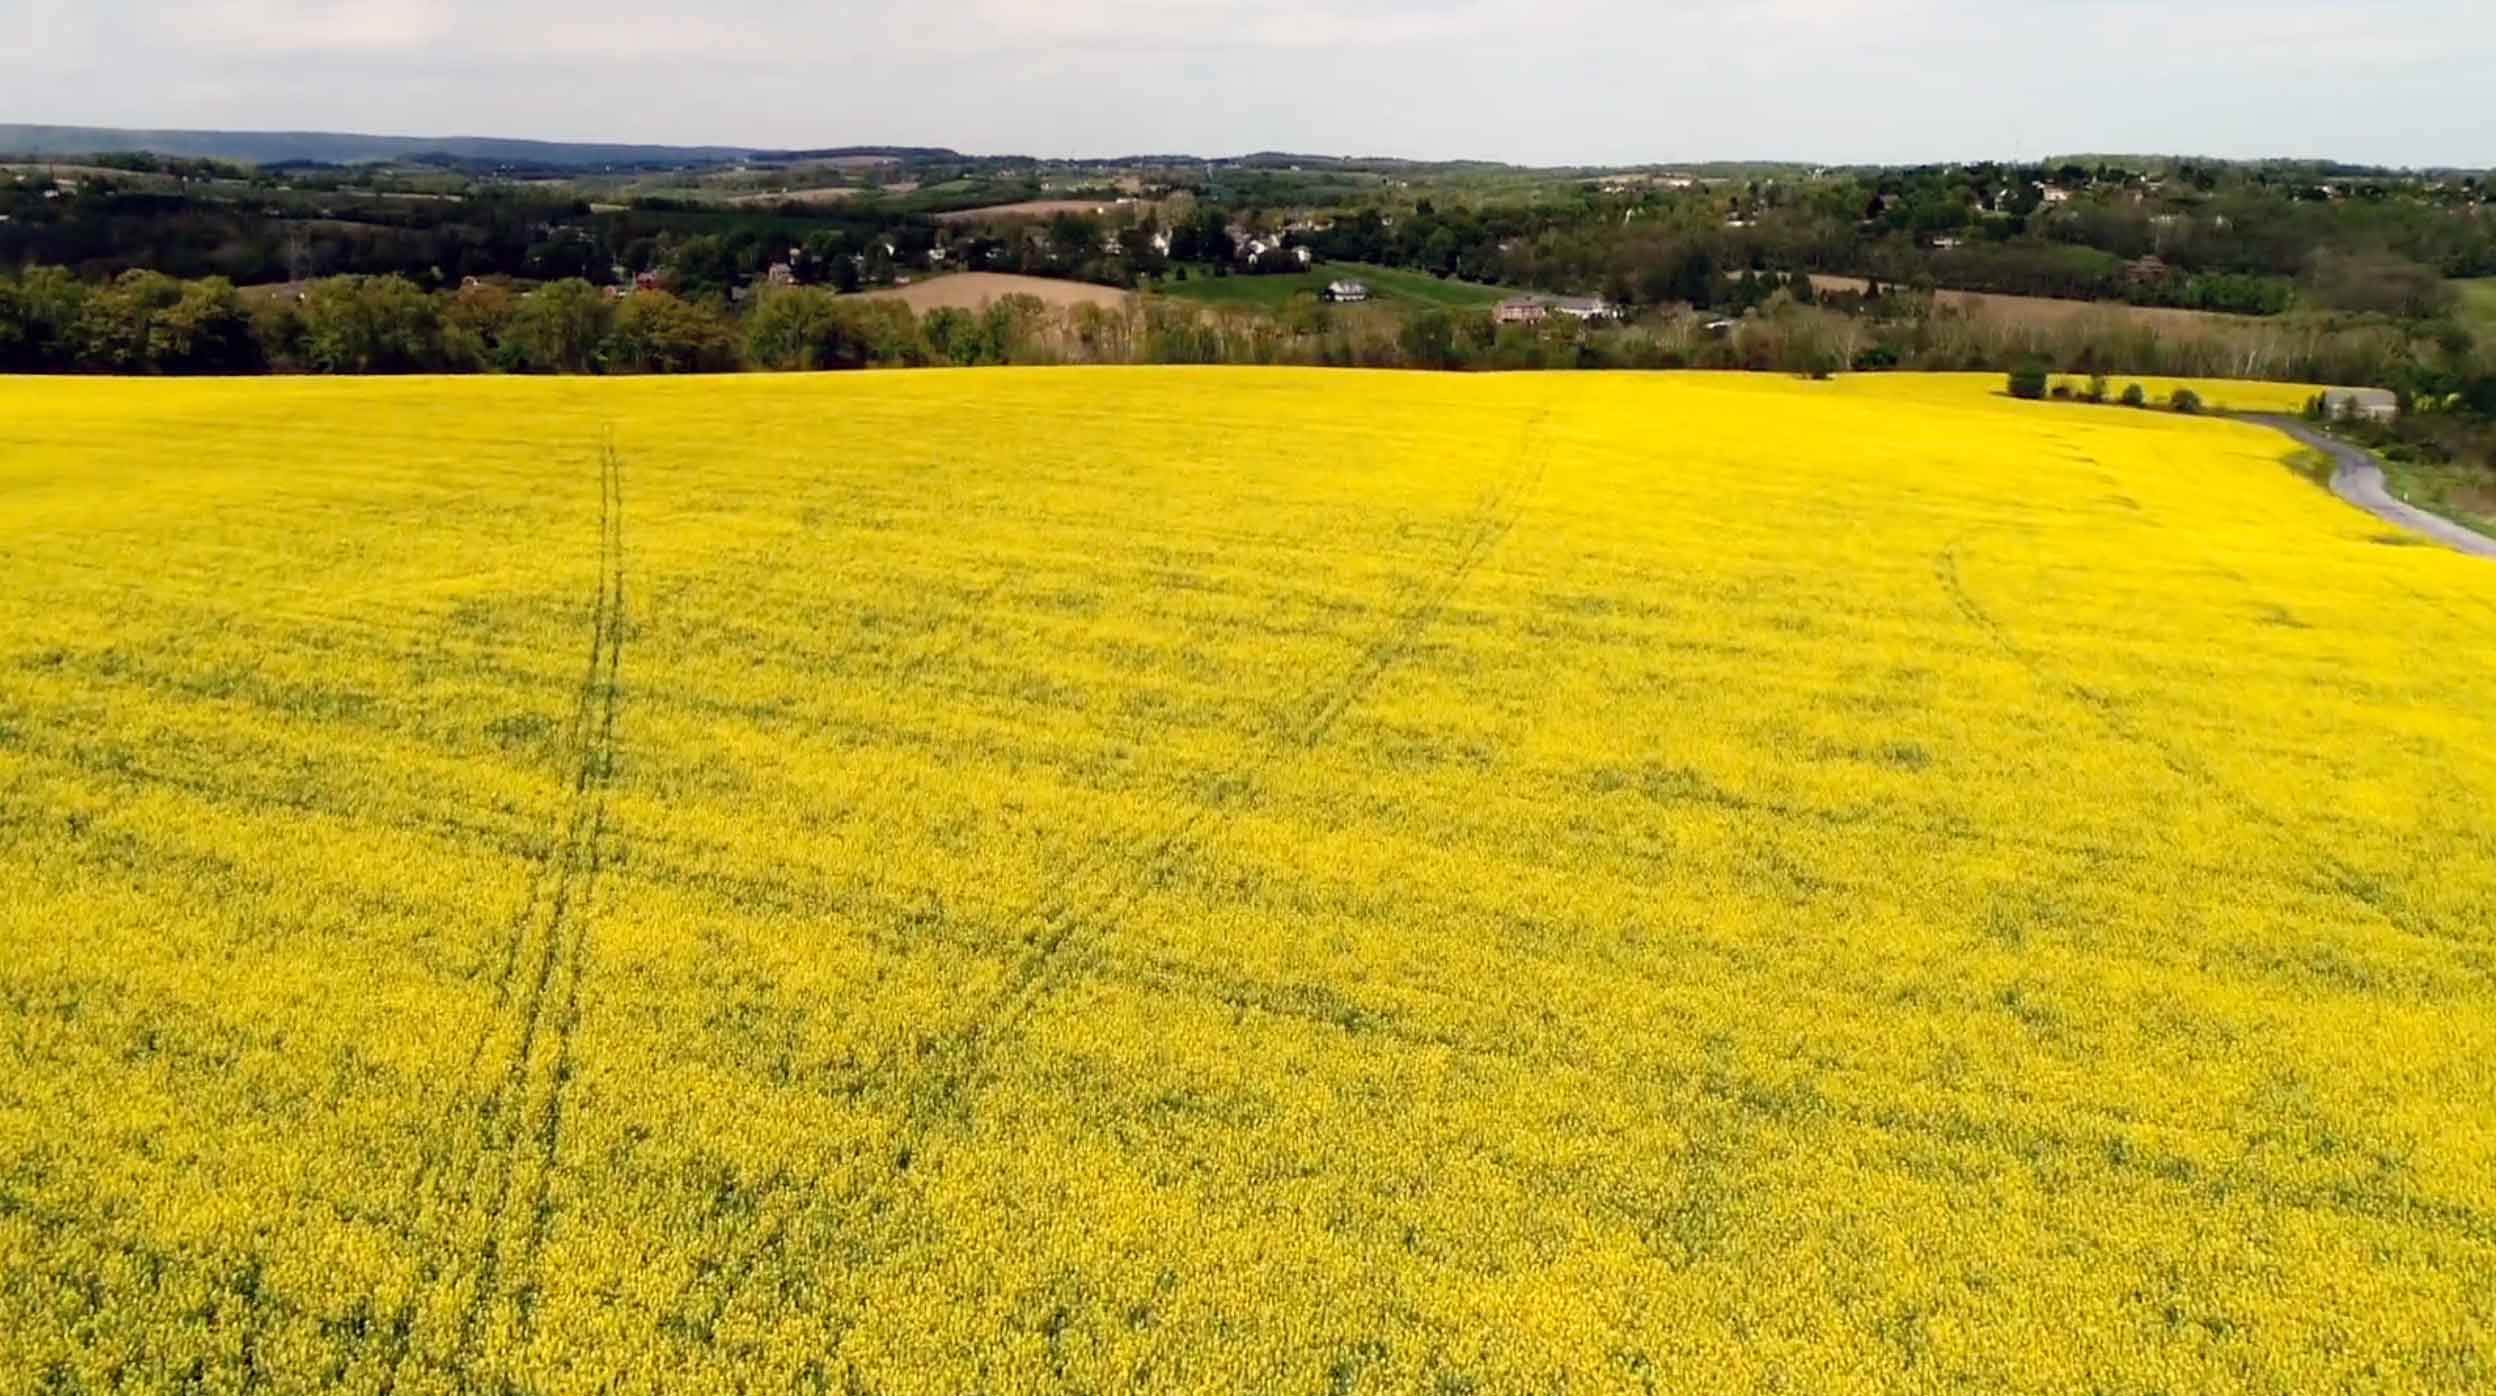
2361 404
1534 309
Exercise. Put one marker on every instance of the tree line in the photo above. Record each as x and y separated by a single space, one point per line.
2202 237
149 323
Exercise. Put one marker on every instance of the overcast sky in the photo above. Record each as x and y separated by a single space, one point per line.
1541 81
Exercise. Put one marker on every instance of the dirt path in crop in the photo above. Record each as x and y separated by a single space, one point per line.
2356 478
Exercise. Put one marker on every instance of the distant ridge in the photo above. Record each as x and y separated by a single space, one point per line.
341 148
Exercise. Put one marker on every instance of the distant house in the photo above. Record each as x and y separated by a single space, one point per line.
1521 310
1534 309
2368 404
2148 271
645 282
1347 292
781 274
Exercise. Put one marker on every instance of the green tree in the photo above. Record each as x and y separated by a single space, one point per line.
475 324
206 330
380 324
1428 340
658 333
39 315
795 329
117 323
1013 323
703 266
2379 282
560 326
803 328
956 336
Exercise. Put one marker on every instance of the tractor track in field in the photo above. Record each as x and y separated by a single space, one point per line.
2110 713
483 1146
960 1062
1493 522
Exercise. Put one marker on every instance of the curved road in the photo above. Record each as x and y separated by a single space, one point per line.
2356 478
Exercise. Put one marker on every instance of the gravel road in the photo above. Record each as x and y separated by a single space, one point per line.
2356 478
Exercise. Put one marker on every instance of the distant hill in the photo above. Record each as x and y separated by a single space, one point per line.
863 152
495 154
337 148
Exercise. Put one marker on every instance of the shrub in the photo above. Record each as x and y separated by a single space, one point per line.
2097 387
2185 401
2028 381
2062 392
2133 396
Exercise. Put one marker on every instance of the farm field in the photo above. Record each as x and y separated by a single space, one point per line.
2046 310
1230 880
976 290
833 195
1037 208
1388 286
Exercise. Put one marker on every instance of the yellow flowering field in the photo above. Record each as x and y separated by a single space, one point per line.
1230 881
